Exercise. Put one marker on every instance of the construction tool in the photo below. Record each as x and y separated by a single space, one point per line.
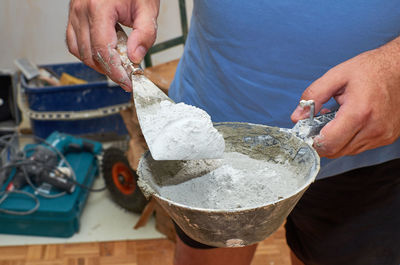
47 185
148 99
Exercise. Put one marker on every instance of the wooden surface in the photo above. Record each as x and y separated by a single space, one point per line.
272 251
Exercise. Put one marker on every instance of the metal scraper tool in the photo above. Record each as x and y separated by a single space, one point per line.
147 97
145 92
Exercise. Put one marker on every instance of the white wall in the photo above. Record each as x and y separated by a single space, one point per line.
35 29
169 27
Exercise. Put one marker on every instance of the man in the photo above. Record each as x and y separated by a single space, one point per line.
250 61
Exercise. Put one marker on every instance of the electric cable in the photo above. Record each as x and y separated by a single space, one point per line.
5 195
30 162
33 186
89 188
19 160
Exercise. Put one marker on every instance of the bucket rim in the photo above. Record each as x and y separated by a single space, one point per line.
314 172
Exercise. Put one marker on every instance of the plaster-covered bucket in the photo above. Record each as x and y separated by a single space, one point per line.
242 226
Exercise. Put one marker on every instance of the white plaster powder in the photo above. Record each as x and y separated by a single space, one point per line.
237 182
180 132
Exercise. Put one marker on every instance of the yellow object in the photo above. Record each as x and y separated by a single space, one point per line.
67 79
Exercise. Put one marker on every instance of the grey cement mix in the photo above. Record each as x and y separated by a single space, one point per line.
237 181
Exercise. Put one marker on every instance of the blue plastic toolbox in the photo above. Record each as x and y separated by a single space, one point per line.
75 98
57 217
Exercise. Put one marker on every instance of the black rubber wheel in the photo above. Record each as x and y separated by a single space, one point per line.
121 180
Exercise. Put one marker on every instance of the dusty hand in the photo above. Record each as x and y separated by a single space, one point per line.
367 88
91 33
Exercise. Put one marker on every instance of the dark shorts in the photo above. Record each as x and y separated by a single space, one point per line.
352 218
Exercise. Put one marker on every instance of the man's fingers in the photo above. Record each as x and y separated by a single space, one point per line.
104 42
78 36
143 35
373 134
92 38
321 90
338 133
71 41
84 45
357 145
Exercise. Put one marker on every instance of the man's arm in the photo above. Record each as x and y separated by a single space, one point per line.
91 35
367 87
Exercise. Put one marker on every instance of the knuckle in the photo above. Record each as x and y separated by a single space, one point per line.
332 71
76 7
92 6
366 110
362 116
150 34
379 131
152 31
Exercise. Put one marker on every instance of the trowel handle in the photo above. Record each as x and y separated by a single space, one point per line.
309 128
319 122
122 49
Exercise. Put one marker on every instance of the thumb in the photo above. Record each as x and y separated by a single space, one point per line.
142 36
320 91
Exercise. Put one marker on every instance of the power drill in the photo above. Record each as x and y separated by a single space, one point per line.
41 168
43 165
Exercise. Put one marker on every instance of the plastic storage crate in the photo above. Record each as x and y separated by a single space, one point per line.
76 98
59 217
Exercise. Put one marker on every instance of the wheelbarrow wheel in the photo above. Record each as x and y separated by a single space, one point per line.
121 181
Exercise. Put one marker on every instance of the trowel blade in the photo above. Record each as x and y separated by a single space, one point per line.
197 138
147 97
171 136
309 128
146 93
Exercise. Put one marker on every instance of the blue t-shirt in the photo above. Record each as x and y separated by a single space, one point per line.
250 61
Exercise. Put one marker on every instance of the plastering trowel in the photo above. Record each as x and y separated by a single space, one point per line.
169 138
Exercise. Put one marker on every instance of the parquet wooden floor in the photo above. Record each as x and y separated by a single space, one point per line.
272 251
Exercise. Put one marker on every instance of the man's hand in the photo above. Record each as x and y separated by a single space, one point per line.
91 33
367 87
